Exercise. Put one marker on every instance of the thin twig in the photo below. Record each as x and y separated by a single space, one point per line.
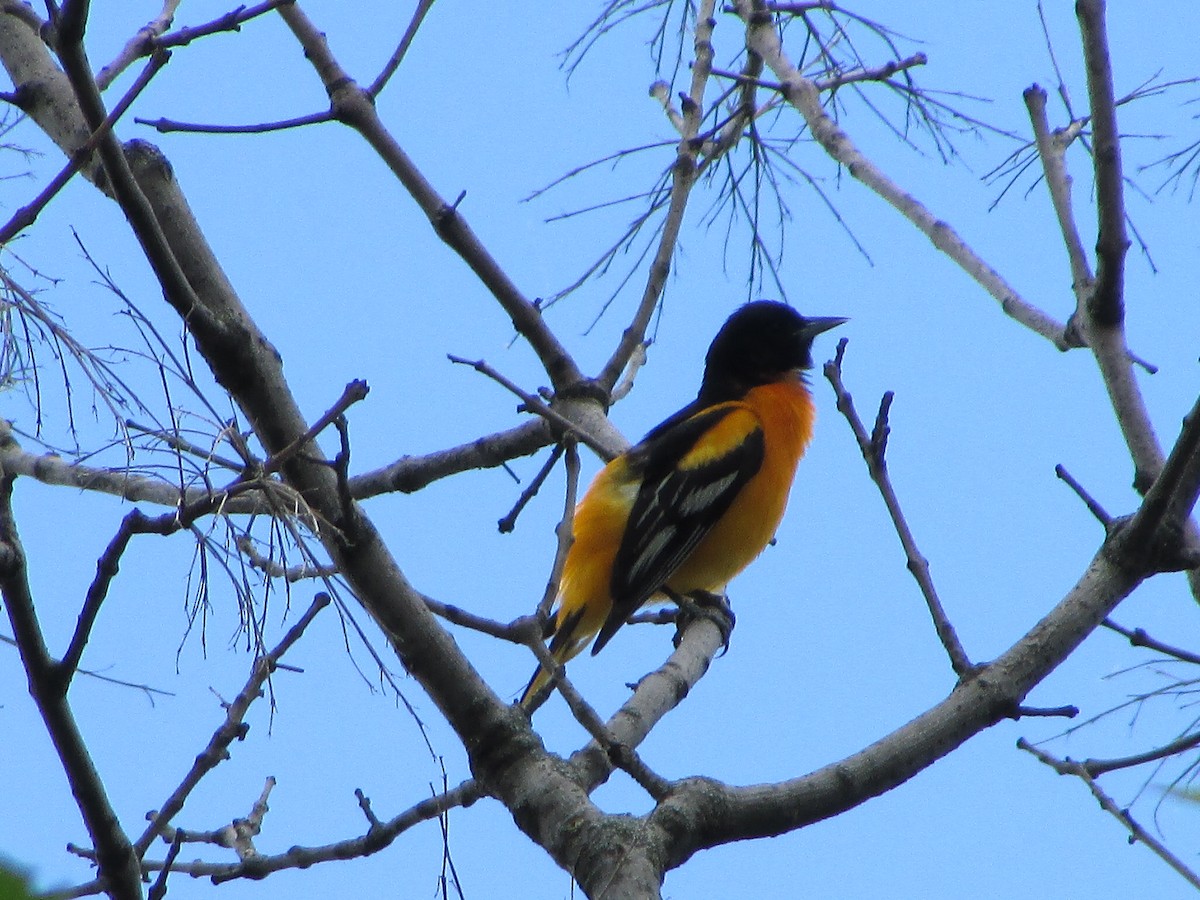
878 73
1098 767
802 93
1041 712
683 176
509 521
141 44
1139 638
533 404
159 889
1091 502
636 361
238 835
150 692
1052 148
513 631
354 392
623 756
106 571
397 57
291 574
182 445
149 38
410 474
1136 831
375 839
872 451
564 531
167 126
233 728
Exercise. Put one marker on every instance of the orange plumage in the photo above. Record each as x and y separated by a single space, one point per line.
696 501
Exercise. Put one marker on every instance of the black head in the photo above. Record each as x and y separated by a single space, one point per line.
759 344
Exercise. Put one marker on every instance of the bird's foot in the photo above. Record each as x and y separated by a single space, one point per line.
704 605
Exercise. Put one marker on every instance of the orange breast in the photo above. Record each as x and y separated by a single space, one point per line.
785 413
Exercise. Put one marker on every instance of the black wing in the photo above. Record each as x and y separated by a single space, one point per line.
679 501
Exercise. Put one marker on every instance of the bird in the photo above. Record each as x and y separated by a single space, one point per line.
701 495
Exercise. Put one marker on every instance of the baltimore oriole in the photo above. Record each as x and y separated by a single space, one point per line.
701 495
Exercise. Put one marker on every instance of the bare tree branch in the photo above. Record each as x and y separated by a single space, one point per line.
27 215
378 837
353 106
802 93
1129 554
1136 831
233 728
1099 301
604 445
411 473
683 176
1098 767
168 126
418 16
115 856
280 470
873 448
151 37
106 571
1106 304
1089 501
1052 150
1139 638
138 45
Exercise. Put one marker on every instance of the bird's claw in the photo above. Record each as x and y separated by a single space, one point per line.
704 605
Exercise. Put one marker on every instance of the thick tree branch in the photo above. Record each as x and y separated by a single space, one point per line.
244 362
656 695
43 90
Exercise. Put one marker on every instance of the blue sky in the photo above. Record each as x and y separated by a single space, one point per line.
833 648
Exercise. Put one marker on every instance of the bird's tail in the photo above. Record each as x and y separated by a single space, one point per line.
535 687
566 640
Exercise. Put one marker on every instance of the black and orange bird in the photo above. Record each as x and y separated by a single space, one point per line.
701 495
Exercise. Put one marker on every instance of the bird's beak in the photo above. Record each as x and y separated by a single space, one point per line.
814 326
